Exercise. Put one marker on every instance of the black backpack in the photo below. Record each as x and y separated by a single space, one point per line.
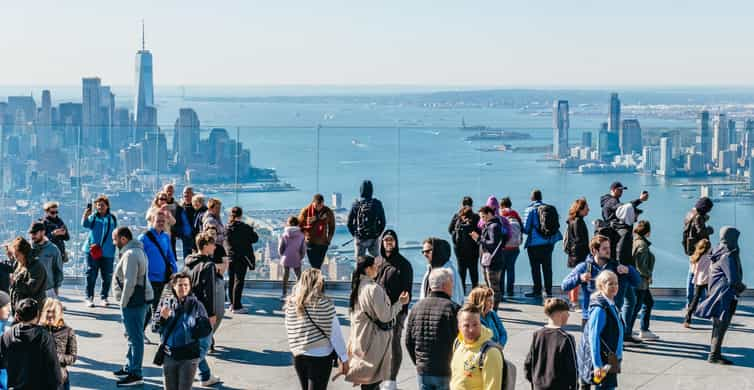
366 219
689 241
549 221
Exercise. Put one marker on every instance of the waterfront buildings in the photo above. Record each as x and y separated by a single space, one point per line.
560 124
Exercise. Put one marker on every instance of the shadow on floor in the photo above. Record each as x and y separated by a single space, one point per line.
265 357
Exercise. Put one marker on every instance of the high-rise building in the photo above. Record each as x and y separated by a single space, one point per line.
613 116
21 109
720 135
122 133
666 157
586 139
337 200
608 145
560 129
732 134
91 102
751 173
630 137
727 161
44 116
695 164
106 114
747 141
144 99
186 136
651 159
704 141
155 152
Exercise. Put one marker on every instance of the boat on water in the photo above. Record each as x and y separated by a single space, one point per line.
497 135
249 188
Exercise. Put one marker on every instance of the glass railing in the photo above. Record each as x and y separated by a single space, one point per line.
421 169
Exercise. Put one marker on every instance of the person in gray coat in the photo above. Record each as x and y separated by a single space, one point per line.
134 292
49 256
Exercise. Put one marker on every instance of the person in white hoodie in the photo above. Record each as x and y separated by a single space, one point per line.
437 253
292 249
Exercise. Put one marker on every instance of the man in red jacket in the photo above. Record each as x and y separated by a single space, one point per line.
318 223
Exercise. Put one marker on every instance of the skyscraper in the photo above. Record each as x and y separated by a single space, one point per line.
586 139
732 135
748 139
144 88
704 142
666 157
107 111
186 136
560 126
90 121
613 116
720 140
630 136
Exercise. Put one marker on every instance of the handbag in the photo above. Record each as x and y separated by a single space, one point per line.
333 355
95 250
610 357
487 257
162 349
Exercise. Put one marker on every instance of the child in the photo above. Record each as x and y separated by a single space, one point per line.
700 263
64 336
292 249
551 362
645 263
4 323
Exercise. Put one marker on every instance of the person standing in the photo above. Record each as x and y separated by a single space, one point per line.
29 277
200 208
482 297
576 243
239 240
395 275
695 229
55 228
645 264
610 203
372 318
66 344
317 221
511 250
160 206
430 330
491 242
101 251
28 353
542 229
551 363
160 258
437 253
212 220
187 241
366 222
700 262
465 248
182 227
725 287
292 249
477 362
134 293
623 226
49 256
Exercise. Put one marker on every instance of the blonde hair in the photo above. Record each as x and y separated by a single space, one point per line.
198 198
701 248
212 202
601 281
50 205
478 297
156 200
53 304
308 291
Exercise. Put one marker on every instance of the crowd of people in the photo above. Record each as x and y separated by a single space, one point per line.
453 332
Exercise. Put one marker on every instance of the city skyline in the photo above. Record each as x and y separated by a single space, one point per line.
330 43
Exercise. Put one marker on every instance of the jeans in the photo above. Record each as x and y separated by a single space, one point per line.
157 287
432 382
179 374
204 371
492 278
133 318
104 267
468 263
188 246
369 246
689 288
644 299
236 280
540 260
397 350
316 254
627 310
699 292
509 270
313 371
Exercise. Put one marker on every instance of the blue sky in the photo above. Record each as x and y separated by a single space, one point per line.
411 42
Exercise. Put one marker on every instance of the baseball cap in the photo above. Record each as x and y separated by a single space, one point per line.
36 227
617 185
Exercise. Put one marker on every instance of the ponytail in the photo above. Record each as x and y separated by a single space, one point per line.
362 263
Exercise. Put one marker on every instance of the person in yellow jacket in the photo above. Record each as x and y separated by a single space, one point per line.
468 370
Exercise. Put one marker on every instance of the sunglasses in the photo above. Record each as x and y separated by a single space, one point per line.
425 251
53 212
165 199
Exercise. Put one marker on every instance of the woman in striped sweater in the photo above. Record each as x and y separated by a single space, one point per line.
314 333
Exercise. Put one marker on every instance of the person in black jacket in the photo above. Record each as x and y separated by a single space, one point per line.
201 267
28 351
396 276
188 208
577 244
55 228
366 222
551 363
466 249
239 237
430 331
491 243
610 203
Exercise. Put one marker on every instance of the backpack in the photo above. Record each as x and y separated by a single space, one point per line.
602 228
567 239
549 221
366 219
509 369
515 236
457 231
689 241
505 228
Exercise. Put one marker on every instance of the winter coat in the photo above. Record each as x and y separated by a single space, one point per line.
202 271
551 363
209 220
100 232
465 372
157 270
533 238
441 258
198 221
66 347
632 279
603 332
379 212
28 353
492 242
188 319
644 260
369 346
430 330
578 241
130 272
726 276
292 247
49 256
29 282
697 222
182 226
318 226
396 274
610 205
239 237
51 224
465 247
508 214
494 324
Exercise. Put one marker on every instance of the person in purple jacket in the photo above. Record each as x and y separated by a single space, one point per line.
292 249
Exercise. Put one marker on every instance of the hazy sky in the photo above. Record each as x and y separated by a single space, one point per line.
600 43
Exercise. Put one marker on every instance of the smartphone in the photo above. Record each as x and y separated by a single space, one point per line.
88 206
645 192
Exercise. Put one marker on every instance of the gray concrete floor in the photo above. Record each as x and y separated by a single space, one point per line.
253 349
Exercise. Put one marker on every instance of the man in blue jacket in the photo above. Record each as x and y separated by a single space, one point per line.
585 273
539 248
161 263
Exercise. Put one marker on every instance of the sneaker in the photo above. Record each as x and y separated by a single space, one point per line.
648 335
533 294
89 302
105 303
632 339
131 380
213 380
686 324
121 373
242 310
720 360
389 385
147 340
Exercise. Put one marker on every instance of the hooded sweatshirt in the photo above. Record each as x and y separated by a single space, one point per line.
494 205
292 247
49 256
29 354
725 276
378 211
318 226
626 216
396 274
130 272
466 374
202 271
441 258
29 282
